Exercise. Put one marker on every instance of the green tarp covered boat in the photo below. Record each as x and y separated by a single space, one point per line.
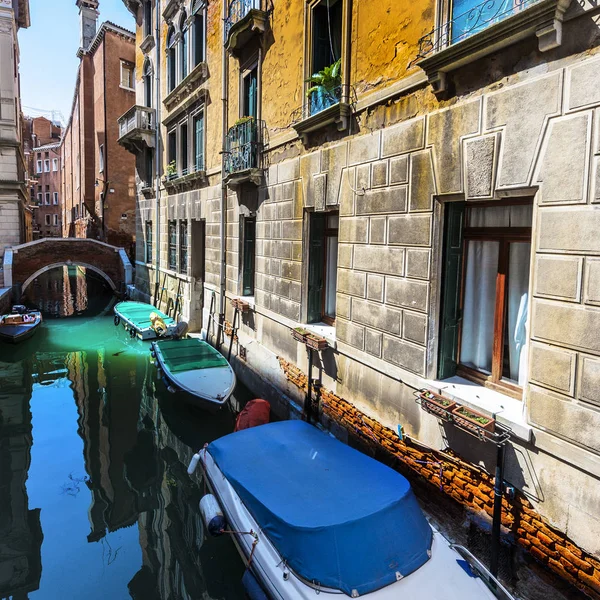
195 367
144 320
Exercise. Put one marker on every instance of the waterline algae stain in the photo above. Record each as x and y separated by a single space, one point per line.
95 500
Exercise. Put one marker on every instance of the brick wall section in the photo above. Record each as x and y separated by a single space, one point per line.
27 261
467 484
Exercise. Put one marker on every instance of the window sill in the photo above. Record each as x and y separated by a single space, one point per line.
339 114
509 411
323 330
543 19
147 44
186 86
127 89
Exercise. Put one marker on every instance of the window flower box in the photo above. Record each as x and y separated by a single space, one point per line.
436 404
242 305
472 420
316 342
299 334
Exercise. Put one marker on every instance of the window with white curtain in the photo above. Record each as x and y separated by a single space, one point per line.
495 294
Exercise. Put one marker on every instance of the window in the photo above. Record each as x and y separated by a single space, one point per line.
101 158
183 46
55 219
198 33
172 147
486 293
55 164
172 245
171 60
148 246
248 253
47 198
325 49
149 160
249 92
197 249
183 247
322 267
39 166
184 156
48 219
127 75
148 83
198 124
148 17
47 165
40 198
55 198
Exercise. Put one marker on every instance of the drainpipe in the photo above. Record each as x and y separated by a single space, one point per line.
157 148
224 99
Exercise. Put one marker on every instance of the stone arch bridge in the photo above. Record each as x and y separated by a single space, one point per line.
23 263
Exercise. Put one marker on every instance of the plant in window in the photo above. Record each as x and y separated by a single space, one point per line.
326 84
171 169
243 120
472 420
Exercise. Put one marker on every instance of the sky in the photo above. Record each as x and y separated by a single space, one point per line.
48 52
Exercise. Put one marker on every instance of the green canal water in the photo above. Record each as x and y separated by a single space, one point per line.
95 500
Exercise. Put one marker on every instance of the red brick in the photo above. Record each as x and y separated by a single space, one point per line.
538 554
545 539
580 564
589 581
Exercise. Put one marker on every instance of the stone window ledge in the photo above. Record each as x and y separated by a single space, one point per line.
543 19
339 114
509 411
182 91
147 43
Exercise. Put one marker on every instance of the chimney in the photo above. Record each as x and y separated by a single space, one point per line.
88 20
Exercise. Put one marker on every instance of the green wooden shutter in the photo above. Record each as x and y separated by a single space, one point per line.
248 267
199 142
452 278
316 267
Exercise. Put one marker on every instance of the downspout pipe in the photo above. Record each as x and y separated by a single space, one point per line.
157 143
224 101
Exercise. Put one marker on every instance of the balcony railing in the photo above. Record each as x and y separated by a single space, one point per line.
238 9
244 146
137 126
473 21
187 175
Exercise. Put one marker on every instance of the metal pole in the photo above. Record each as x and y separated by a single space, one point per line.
235 316
308 401
497 518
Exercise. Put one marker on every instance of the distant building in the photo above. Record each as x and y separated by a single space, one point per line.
15 216
98 175
41 147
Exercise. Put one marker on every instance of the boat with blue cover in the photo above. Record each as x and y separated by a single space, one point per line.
310 514
143 320
193 366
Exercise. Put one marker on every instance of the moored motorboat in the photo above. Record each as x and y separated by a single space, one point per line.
195 367
144 320
20 325
312 515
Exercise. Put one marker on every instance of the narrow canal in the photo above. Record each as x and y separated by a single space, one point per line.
95 500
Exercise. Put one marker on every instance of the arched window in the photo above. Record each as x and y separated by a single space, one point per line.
198 32
183 46
148 72
171 60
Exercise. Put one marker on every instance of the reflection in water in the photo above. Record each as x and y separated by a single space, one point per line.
105 478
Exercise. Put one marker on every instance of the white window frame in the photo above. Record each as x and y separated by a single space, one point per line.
101 159
55 220
40 198
40 166
130 68
47 198
55 164
55 198
46 165
48 222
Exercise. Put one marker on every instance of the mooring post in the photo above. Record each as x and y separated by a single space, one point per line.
497 515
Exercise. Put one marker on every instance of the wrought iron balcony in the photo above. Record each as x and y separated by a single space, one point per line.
484 29
323 107
245 19
137 129
185 178
244 152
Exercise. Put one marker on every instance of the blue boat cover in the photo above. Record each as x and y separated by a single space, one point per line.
338 517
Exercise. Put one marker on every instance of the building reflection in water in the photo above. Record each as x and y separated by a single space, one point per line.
20 528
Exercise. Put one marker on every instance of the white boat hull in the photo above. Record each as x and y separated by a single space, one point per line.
441 578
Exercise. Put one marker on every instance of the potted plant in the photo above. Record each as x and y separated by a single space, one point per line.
324 91
436 404
172 170
472 420
315 342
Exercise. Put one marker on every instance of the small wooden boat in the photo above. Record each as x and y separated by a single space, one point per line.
194 366
20 325
144 320
310 515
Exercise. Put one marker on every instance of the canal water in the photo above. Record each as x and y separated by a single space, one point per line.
95 500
